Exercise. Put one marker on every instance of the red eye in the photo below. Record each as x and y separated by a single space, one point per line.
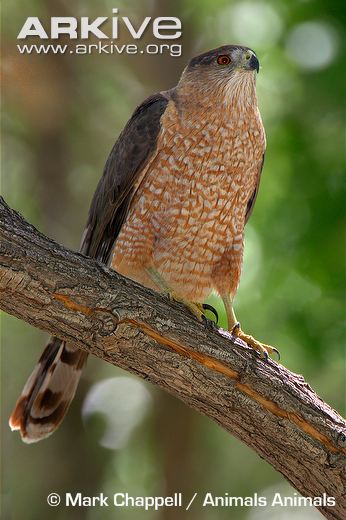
223 59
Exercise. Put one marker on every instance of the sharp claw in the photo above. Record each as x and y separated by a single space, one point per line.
210 324
235 328
262 351
210 308
260 354
277 353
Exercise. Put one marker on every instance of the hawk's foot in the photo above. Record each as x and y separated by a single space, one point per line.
197 309
210 308
262 349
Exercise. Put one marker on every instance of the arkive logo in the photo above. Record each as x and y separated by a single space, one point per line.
162 27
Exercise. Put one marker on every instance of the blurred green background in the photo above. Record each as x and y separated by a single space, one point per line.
61 116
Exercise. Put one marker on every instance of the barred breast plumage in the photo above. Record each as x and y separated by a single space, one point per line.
189 210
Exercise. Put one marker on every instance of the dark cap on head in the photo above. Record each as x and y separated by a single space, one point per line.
238 55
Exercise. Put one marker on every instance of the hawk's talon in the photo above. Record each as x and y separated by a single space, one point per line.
210 324
235 328
262 350
277 353
197 309
210 308
265 355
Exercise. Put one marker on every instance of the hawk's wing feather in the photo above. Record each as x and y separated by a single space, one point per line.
52 385
252 199
128 158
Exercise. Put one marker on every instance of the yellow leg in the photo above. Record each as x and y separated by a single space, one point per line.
197 309
234 327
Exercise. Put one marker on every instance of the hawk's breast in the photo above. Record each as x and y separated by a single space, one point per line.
192 201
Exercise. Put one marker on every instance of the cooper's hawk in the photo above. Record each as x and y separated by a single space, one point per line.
169 210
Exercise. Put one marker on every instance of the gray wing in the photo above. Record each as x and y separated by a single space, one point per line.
115 190
252 199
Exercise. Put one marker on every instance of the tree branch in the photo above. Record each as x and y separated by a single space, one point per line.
269 408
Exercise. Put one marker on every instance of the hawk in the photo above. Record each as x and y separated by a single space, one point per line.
169 211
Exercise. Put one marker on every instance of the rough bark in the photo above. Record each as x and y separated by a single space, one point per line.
269 408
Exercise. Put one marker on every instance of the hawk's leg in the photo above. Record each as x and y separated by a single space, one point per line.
197 309
234 327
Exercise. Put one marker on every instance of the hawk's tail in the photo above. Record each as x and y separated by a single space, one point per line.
48 392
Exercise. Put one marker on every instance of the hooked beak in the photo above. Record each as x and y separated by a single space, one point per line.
250 61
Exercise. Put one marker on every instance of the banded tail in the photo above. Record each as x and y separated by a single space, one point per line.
48 392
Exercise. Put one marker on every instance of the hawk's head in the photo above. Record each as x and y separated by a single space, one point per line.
227 70
225 60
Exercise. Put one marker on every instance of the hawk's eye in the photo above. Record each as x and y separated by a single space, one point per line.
223 59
